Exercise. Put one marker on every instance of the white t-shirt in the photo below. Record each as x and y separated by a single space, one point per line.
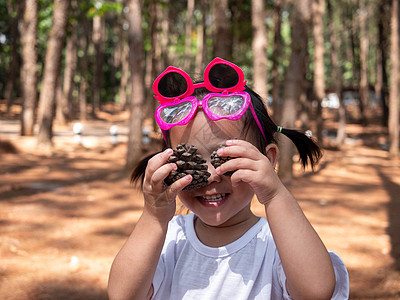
248 268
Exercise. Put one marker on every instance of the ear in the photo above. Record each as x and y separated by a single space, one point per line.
272 153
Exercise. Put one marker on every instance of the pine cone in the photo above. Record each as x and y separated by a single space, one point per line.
188 162
217 160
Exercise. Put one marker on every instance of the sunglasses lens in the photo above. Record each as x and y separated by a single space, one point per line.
172 85
223 76
175 113
225 106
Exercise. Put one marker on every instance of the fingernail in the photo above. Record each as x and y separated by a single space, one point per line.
174 166
218 170
220 151
188 177
229 142
168 151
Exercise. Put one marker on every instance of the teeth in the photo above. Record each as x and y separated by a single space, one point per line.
217 197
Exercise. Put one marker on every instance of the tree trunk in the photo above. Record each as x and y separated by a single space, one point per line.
165 33
259 48
294 82
318 8
51 72
381 87
83 66
201 56
364 88
188 35
124 74
222 35
98 42
136 63
394 81
13 68
337 78
275 59
65 102
29 68
353 25
154 68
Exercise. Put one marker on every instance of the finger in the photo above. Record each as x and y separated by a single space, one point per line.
161 173
178 186
237 164
241 176
157 161
239 149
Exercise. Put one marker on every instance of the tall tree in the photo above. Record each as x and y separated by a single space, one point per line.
51 72
259 47
381 86
337 78
318 8
188 34
98 38
201 56
364 42
14 11
394 81
275 92
136 63
222 35
64 102
83 64
294 80
29 32
165 32
124 73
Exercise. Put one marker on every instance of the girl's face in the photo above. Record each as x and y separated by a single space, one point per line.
217 203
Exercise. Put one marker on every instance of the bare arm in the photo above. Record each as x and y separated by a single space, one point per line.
133 269
305 260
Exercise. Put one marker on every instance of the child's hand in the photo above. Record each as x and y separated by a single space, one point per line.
252 167
160 198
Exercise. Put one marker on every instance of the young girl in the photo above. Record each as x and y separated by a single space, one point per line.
222 250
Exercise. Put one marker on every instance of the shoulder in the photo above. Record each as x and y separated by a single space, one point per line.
179 226
180 222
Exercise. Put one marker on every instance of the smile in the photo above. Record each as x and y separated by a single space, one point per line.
213 200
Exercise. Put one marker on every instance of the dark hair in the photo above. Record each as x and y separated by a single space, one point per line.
309 151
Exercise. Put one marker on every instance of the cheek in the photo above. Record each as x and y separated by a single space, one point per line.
244 191
186 198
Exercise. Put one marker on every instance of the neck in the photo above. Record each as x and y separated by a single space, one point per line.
224 234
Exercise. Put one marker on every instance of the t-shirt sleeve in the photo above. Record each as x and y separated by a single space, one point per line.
166 261
158 275
342 286
342 278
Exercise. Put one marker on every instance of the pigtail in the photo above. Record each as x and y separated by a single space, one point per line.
309 151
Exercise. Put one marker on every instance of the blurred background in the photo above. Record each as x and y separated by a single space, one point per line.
76 114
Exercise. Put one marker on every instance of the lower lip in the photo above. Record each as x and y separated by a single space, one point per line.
214 203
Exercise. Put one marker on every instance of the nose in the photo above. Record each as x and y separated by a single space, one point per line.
214 176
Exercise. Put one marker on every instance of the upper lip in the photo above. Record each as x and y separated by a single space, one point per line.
212 194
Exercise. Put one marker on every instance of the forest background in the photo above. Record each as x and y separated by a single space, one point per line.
320 65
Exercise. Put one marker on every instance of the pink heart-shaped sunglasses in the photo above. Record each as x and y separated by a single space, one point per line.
173 89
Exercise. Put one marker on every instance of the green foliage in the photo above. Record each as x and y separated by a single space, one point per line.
100 8
344 18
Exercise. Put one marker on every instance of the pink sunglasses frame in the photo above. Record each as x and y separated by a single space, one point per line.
236 90
240 86
203 103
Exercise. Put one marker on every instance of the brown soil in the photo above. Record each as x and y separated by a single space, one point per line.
65 213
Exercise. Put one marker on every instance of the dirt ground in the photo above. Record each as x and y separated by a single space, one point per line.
65 212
